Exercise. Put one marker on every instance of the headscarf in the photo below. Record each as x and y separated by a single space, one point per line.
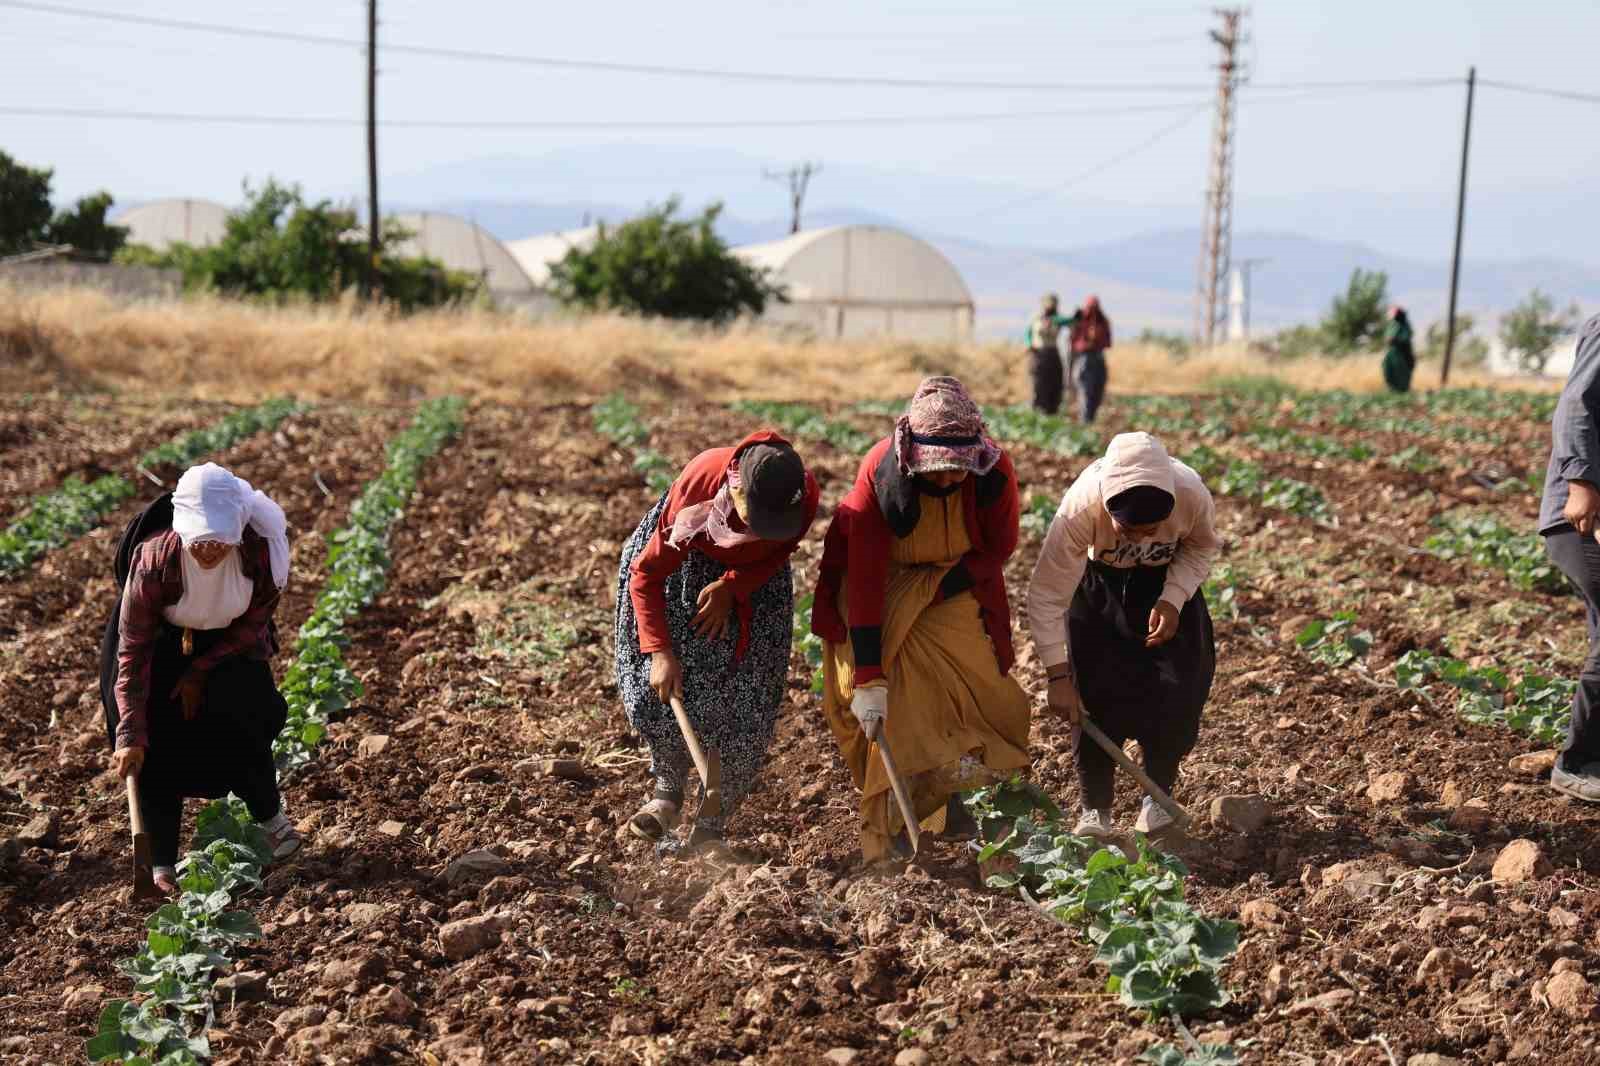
713 517
210 503
1050 304
943 429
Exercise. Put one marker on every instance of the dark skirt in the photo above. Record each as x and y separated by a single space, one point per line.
1090 375
1044 368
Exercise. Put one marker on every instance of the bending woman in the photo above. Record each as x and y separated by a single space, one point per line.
705 612
911 605
1119 620
191 707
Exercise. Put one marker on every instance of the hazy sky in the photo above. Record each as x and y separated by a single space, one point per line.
1401 143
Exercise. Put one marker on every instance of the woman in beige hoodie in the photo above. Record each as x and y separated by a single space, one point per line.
1118 618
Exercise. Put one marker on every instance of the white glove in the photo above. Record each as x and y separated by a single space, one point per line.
870 705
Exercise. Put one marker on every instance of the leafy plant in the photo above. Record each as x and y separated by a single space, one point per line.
1483 539
664 266
802 420
1051 432
809 644
1241 477
1356 318
234 427
1203 1055
1531 329
56 517
1221 590
618 419
1039 513
1537 705
1334 641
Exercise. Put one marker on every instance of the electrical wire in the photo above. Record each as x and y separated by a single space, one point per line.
840 80
1537 90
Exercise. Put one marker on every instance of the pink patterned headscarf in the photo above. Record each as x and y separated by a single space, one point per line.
712 518
943 429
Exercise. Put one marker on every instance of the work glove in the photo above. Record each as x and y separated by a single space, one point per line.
870 706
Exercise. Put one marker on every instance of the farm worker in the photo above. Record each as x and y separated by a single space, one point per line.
1118 618
911 606
1569 518
705 612
1090 337
1044 354
191 707
1399 361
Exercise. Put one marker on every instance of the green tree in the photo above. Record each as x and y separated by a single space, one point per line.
85 227
660 265
1471 349
1531 329
24 205
1355 320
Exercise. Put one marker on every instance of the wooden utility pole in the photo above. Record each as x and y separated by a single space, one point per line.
370 283
798 177
1216 230
1461 213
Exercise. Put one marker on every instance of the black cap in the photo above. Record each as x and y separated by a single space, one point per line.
774 483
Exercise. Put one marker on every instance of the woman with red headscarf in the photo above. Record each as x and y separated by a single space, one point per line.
911 606
1091 336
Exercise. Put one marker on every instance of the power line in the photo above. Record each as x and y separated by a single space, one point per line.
1100 167
573 124
1536 90
841 80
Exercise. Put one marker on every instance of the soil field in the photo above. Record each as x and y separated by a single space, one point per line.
490 653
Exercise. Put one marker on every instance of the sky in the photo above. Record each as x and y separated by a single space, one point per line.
1297 153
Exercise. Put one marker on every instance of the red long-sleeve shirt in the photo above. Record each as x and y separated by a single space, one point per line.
857 550
749 565
155 582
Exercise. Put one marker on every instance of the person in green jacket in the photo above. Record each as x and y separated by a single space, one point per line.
1044 354
1399 361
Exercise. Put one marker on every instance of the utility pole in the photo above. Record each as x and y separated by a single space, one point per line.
1216 230
1461 212
799 177
1244 273
371 279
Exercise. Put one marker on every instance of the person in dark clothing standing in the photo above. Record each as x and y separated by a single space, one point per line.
1044 354
1091 336
1399 361
1569 519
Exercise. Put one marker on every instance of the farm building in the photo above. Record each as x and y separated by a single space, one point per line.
463 245
535 254
862 281
163 223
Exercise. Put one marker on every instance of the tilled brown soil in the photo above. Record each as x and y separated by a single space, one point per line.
490 653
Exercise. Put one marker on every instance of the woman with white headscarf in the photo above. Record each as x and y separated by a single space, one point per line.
191 706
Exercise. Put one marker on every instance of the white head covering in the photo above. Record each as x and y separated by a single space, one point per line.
210 503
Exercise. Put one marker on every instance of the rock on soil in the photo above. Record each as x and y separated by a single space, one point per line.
1472 816
1430 1058
457 1051
296 1019
913 1056
477 865
341 972
842 1056
467 937
1444 966
243 986
1356 880
1242 814
1521 860
1327 1001
1262 914
1391 787
361 915
372 745
42 831
1534 764
872 976
1572 995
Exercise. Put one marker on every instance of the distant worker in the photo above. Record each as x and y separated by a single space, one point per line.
1399 361
1044 354
1091 336
1569 518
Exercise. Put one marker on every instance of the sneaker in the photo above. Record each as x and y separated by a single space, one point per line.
284 842
1153 818
1583 784
1094 824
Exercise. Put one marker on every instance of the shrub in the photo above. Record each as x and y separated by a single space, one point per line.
1471 350
1531 330
664 266
26 219
1356 318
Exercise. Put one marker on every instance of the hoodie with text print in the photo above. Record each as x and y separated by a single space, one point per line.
1185 541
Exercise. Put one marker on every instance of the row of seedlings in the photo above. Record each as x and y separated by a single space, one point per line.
802 420
191 938
56 517
617 418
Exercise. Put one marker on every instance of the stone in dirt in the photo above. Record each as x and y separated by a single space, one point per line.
481 772
469 936
341 972
1572 995
1561 918
372 745
480 864
566 769
1452 795
842 1056
1472 816
1445 966
1262 914
1431 1058
1521 860
297 1018
83 996
913 1056
1356 880
362 915
42 831
1566 966
312 1041
392 828
1327 1001
1276 987
457 1051
1241 814
391 1004
1391 787
1534 764
872 976
243 986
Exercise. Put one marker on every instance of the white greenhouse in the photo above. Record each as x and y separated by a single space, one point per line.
535 254
865 281
465 246
163 223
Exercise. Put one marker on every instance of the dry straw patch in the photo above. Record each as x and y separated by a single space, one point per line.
210 348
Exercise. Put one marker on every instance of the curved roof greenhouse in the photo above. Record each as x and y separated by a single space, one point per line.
163 223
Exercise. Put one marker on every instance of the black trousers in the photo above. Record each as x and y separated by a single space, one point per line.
1089 371
1044 367
226 748
1152 695
1578 557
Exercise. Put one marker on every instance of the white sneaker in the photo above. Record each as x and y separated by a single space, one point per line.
1094 824
1153 818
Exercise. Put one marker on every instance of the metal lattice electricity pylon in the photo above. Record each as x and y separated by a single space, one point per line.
1216 229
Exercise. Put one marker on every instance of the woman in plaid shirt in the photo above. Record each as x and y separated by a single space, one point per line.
190 701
